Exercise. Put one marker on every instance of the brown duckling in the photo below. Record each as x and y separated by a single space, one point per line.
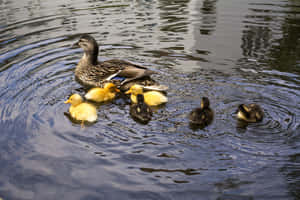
250 113
202 116
140 111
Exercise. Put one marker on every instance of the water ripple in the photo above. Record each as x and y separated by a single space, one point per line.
43 149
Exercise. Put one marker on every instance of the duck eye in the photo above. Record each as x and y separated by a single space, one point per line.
83 40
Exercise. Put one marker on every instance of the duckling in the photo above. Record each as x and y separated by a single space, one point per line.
92 73
202 116
140 110
80 110
102 94
250 113
152 98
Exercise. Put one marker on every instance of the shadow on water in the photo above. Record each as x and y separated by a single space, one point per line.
232 51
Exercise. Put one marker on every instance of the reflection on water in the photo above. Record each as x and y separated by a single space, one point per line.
209 17
272 38
231 51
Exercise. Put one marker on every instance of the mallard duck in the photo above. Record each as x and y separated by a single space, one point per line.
80 110
152 98
102 94
250 113
202 116
92 73
140 110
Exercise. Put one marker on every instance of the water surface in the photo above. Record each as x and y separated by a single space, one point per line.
233 52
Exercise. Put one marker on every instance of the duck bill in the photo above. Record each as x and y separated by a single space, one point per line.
117 90
66 102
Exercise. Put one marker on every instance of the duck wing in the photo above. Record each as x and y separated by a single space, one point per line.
126 69
116 71
95 75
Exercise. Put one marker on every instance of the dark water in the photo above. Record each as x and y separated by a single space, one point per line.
233 51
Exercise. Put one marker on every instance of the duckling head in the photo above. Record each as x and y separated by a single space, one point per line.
89 46
204 102
74 100
135 90
111 87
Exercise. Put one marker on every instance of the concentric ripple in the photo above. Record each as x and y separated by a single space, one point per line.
230 51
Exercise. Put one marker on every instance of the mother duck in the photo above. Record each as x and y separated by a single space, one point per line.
92 73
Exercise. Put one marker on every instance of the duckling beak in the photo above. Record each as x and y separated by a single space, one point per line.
128 92
66 102
117 90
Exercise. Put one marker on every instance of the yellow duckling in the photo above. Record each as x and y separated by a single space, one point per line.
152 98
202 116
80 110
250 113
102 94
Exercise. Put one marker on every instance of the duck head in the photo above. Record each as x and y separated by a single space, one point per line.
90 48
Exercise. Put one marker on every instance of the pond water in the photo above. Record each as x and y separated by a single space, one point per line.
233 52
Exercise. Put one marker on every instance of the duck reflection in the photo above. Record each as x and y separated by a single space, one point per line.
209 17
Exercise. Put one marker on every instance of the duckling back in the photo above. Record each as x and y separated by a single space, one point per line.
102 94
201 117
84 112
152 98
99 95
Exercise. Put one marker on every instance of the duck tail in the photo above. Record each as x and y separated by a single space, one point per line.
149 72
160 88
